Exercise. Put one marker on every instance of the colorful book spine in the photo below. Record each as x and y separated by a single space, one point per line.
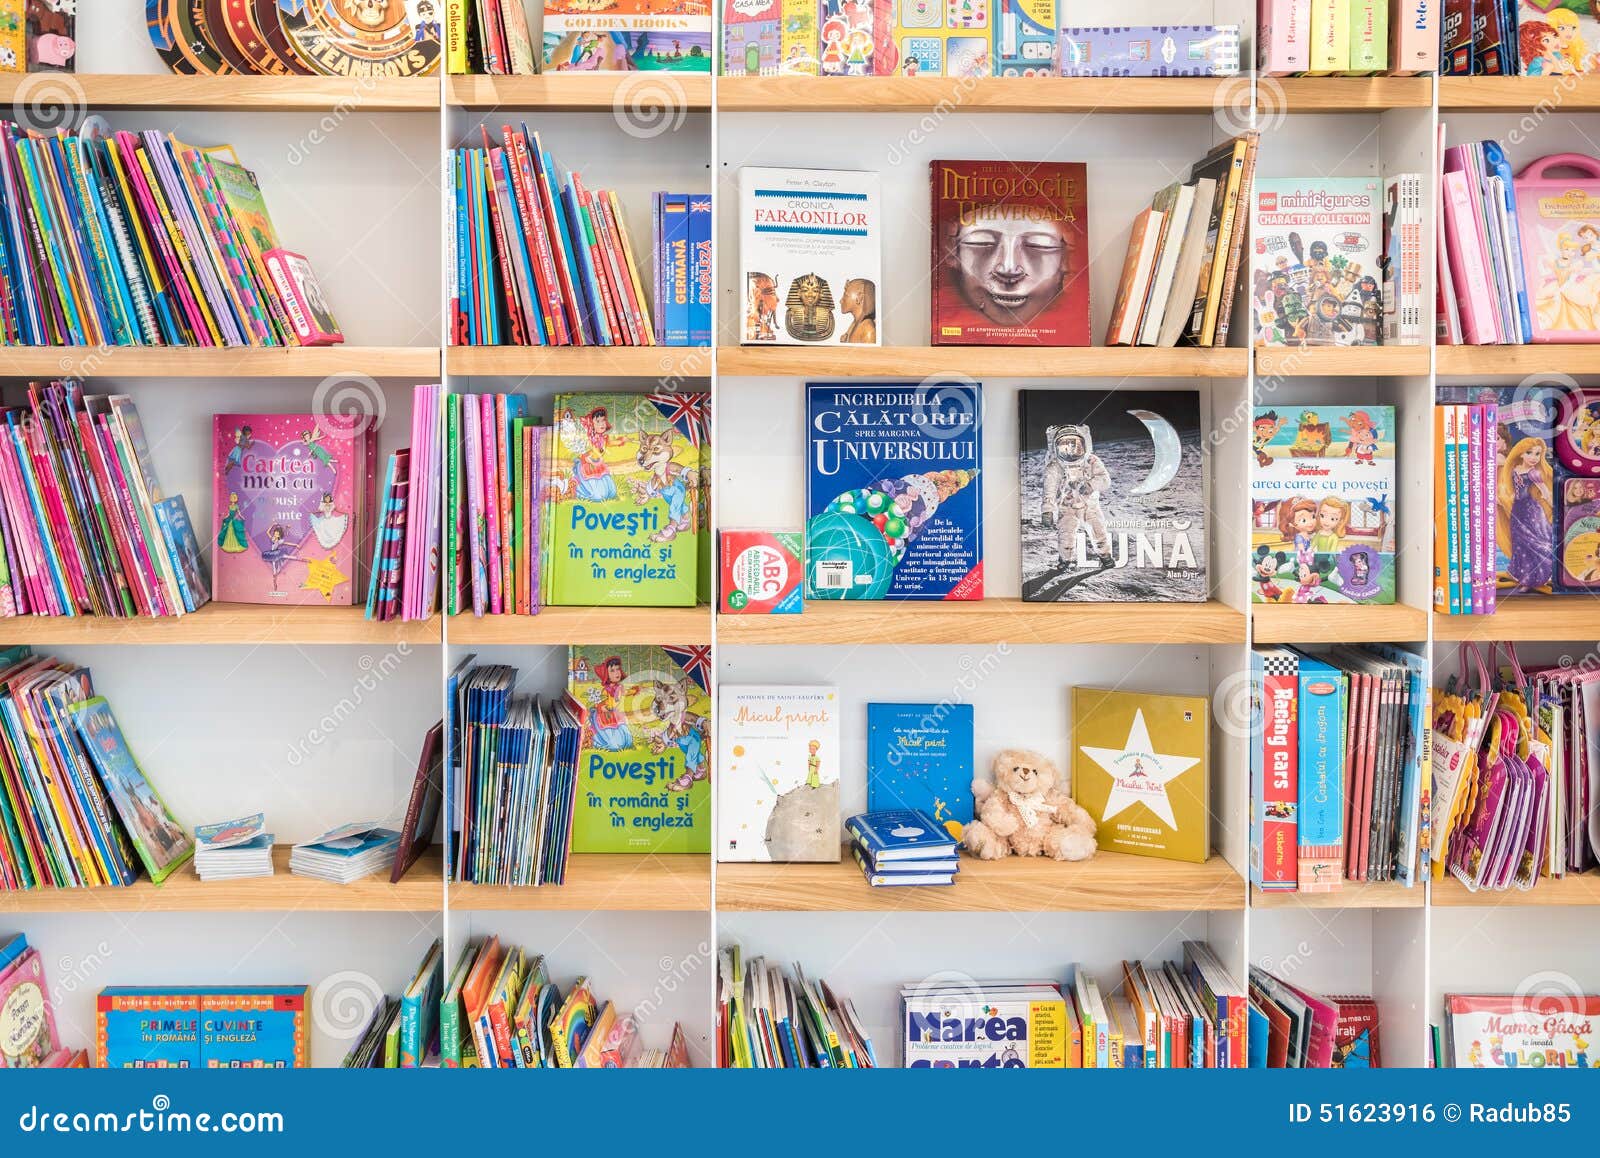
1283 38
1320 724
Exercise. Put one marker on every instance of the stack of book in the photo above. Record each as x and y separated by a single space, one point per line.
87 528
538 259
899 847
501 1010
345 854
403 579
767 1020
233 849
76 810
1295 1028
136 239
403 1032
1184 254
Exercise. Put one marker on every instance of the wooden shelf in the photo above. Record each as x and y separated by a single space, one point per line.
580 361
1354 895
1533 618
1342 94
651 94
1541 358
240 362
1110 882
981 361
1341 361
988 621
1337 623
1509 94
592 625
900 94
1580 889
420 891
606 882
272 94
222 623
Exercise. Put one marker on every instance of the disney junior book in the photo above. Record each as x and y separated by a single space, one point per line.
644 760
1112 496
778 773
894 503
1322 502
291 494
624 499
810 257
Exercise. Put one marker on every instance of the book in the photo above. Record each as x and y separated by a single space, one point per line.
1553 39
346 853
333 39
1025 1027
1149 797
1320 713
643 768
810 249
1024 38
162 843
1415 37
901 834
628 36
1232 166
1402 260
931 38
762 572
26 1013
233 849
919 757
1138 273
750 43
1010 240
1520 1031
293 496
210 1027
1274 769
424 805
52 33
1315 261
779 761
893 491
1150 50
1283 37
1111 502
302 298
1323 506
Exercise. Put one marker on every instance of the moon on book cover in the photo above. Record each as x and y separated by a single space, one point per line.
1169 452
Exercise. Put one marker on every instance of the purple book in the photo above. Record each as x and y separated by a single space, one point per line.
1152 50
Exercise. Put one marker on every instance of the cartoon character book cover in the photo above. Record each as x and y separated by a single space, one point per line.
1557 37
627 36
893 493
919 756
162 843
1010 253
750 41
644 761
810 257
1322 500
938 38
1112 496
778 774
624 493
291 496
1316 253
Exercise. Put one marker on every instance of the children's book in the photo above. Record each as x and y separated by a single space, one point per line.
1316 260
624 500
1274 768
778 795
810 257
893 491
762 572
1518 1031
215 1027
938 38
901 834
750 37
1112 496
919 756
1140 767
1025 38
644 767
1556 38
627 36
1323 500
292 497
573 1024
337 38
27 1017
986 214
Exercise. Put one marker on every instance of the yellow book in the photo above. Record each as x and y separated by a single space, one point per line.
183 155
1330 37
175 238
633 269
1140 769
457 25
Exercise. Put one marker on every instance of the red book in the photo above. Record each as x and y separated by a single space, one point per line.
1275 853
1010 253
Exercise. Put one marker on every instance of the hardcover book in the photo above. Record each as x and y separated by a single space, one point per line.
1323 504
778 770
750 37
938 38
292 494
1555 38
1010 253
27 1017
893 491
215 1027
624 500
919 756
1025 38
1521 1031
1156 50
644 759
810 257
627 36
1316 256
1140 768
1112 496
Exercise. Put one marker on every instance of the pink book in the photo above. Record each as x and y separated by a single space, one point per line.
1556 207
309 316
25 530
477 527
1284 37
20 462
127 497
29 1019
1413 37
73 564
129 146
1491 509
1324 1024
1475 501
1468 262
508 581
490 446
290 493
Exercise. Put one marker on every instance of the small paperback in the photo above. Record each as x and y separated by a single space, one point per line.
346 853
233 849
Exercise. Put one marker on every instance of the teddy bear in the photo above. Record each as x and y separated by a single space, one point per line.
1025 811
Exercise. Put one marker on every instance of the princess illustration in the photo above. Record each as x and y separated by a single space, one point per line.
327 524
1566 297
1525 530
590 475
277 553
242 438
1333 520
1297 518
606 719
232 537
313 440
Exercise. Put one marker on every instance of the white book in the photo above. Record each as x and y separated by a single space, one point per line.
810 257
778 774
1172 239
1180 295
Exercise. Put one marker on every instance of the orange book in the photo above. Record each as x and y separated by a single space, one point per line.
1144 244
476 990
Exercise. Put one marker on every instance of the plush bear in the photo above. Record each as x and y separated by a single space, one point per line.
1025 812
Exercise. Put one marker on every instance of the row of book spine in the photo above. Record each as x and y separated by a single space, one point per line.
403 581
1465 509
1347 37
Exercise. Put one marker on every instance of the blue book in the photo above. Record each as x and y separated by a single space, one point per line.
1498 167
919 756
908 873
900 834
675 238
894 503
870 863
700 269
1321 698
1260 1029
12 950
